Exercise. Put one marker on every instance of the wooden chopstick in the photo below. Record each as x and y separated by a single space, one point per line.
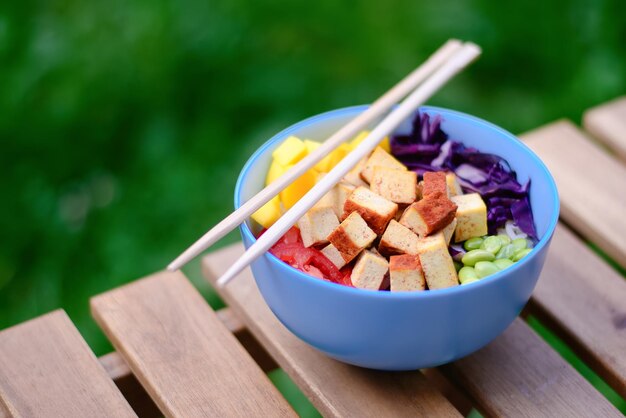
347 132
468 53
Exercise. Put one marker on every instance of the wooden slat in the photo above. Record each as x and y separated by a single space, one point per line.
607 123
591 185
518 374
47 370
584 300
527 377
336 389
182 354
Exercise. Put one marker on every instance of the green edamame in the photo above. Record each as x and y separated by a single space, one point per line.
472 257
457 265
504 239
507 251
491 244
467 273
473 243
521 254
502 263
520 243
485 268
468 281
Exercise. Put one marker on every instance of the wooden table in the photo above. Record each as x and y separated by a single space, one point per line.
176 356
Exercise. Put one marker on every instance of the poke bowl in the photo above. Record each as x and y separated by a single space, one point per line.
406 330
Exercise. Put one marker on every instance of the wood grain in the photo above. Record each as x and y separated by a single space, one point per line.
591 185
584 300
182 354
607 123
336 389
518 374
47 370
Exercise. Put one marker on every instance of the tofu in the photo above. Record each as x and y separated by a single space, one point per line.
352 236
336 197
399 186
354 176
334 255
471 216
379 157
436 262
406 273
398 239
290 151
448 231
428 215
454 188
369 271
375 210
317 224
434 185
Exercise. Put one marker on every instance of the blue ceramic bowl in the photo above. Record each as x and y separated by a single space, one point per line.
412 330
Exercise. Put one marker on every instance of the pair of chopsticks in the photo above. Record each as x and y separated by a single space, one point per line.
422 83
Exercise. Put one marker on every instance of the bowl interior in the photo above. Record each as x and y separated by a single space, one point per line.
467 129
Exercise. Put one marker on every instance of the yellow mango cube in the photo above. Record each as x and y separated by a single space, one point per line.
276 170
298 188
311 145
333 158
268 213
290 151
384 144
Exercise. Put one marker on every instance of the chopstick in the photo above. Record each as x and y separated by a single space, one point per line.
347 132
468 53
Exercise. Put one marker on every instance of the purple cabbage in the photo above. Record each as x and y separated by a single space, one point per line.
428 148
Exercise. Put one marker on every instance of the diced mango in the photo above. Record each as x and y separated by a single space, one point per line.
290 151
298 188
384 144
276 170
333 158
268 213
311 145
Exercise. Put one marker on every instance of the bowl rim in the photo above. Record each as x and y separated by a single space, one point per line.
376 294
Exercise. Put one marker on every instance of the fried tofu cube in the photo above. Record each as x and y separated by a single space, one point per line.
434 184
406 273
369 271
471 216
398 239
380 157
269 213
428 215
354 176
399 186
352 236
454 188
376 210
436 262
318 223
336 197
448 230
290 151
334 255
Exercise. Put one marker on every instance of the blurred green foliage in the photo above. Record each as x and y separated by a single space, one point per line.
123 125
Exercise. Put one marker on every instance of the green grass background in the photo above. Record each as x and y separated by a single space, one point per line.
123 125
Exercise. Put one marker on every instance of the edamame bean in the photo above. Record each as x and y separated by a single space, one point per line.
502 263
491 244
473 243
485 268
520 243
467 273
472 257
507 251
521 254
468 281
457 265
504 239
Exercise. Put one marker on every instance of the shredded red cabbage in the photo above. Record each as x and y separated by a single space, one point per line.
428 148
